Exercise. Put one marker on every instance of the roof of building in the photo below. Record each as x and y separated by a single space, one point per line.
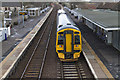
11 4
32 8
105 18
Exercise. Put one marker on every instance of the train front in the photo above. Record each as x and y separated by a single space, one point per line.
68 43
68 38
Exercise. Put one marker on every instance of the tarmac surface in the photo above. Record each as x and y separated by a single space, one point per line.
18 32
107 53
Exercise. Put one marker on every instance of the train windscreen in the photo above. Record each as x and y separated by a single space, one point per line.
60 40
77 39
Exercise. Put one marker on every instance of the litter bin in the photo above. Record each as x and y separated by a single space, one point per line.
5 36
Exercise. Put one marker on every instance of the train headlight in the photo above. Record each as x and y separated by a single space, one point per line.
77 45
60 45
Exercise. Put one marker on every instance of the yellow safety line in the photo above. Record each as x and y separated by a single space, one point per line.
108 74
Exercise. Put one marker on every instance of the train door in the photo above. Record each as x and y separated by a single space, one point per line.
68 42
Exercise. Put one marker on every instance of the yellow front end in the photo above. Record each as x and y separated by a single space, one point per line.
68 45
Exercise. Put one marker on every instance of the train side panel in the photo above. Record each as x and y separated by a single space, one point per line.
68 38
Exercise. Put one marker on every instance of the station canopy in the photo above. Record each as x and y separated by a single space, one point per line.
33 8
106 18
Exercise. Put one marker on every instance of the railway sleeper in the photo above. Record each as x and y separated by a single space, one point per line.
33 73
69 65
35 67
71 75
68 72
72 67
83 74
31 76
69 69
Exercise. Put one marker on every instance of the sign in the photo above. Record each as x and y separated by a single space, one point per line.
22 12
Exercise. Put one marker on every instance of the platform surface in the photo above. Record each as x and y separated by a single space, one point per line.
109 56
9 62
98 69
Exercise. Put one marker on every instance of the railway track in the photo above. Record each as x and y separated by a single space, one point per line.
71 70
33 68
40 60
35 62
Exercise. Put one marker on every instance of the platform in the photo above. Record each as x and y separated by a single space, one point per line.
106 53
97 67
12 59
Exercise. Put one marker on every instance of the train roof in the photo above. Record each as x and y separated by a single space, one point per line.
61 11
67 26
63 19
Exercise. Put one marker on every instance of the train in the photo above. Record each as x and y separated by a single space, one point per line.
68 38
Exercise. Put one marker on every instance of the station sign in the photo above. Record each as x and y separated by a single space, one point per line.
22 12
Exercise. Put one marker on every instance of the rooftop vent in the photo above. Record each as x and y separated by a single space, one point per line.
60 26
68 24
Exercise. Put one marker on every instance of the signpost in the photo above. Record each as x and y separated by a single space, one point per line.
23 13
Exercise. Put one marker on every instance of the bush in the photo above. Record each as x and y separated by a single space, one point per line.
15 23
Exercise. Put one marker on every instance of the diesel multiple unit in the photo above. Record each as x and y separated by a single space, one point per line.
68 38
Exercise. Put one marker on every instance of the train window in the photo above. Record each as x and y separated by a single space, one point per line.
60 33
77 39
60 39
68 24
76 32
58 14
60 26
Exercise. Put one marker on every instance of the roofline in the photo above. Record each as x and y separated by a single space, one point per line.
107 29
58 29
113 29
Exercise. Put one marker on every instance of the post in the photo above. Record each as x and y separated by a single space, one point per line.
23 20
18 18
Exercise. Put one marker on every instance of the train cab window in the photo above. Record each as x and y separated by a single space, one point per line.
60 39
60 26
60 33
68 24
59 14
76 32
77 39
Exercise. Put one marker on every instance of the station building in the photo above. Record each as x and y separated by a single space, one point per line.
7 11
5 23
104 23
33 11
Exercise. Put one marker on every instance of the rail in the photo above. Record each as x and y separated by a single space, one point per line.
71 70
